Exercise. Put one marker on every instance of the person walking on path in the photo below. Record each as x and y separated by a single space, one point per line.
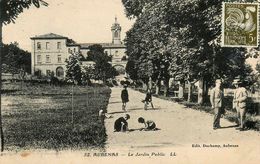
124 97
216 100
148 99
239 103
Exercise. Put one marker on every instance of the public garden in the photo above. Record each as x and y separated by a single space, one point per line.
43 116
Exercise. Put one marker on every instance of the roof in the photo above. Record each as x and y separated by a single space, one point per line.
49 36
104 45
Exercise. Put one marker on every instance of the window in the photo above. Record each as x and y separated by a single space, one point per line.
69 50
106 52
48 72
59 45
47 45
60 72
39 60
38 46
116 34
124 58
38 73
74 49
59 58
48 59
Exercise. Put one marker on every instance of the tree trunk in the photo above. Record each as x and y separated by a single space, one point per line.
166 87
205 91
144 86
181 90
158 87
190 91
150 83
1 122
201 92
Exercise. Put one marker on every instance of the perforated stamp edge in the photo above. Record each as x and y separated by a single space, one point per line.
223 22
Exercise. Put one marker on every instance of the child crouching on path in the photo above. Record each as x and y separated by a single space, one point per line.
121 124
149 124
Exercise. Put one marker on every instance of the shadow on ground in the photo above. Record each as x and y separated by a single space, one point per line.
115 102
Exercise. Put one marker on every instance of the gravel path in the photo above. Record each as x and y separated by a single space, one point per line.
181 129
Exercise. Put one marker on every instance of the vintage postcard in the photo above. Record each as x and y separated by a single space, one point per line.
129 81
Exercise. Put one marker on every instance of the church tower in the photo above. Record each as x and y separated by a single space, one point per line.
116 32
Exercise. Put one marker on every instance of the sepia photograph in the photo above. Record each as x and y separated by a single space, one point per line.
129 81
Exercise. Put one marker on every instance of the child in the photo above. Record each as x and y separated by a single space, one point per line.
149 125
121 124
124 97
103 115
148 99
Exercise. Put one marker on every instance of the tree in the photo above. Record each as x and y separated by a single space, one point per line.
9 11
15 59
103 70
73 68
87 74
146 52
257 67
185 36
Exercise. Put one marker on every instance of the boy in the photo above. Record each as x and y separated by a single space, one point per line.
121 124
149 125
124 97
148 99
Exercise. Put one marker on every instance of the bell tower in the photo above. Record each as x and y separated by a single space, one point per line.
116 32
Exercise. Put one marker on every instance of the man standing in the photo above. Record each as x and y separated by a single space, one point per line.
239 103
216 98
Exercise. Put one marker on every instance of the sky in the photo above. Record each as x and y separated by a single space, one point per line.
85 21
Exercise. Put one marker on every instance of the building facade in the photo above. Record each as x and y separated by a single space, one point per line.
49 52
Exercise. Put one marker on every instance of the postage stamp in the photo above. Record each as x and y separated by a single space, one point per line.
240 24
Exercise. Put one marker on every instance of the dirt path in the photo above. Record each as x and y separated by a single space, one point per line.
180 129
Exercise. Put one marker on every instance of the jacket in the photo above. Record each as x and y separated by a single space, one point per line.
240 97
216 98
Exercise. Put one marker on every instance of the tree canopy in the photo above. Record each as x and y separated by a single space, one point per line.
15 59
73 68
102 69
10 9
180 39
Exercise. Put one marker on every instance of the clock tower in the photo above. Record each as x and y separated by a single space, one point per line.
116 32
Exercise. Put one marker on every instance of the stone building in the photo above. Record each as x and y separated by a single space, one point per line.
49 52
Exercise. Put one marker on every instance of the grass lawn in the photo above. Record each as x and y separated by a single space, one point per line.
45 117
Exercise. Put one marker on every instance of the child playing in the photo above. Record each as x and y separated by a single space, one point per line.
149 125
124 97
148 99
121 124
103 115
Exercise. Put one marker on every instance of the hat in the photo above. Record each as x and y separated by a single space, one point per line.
237 81
218 80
